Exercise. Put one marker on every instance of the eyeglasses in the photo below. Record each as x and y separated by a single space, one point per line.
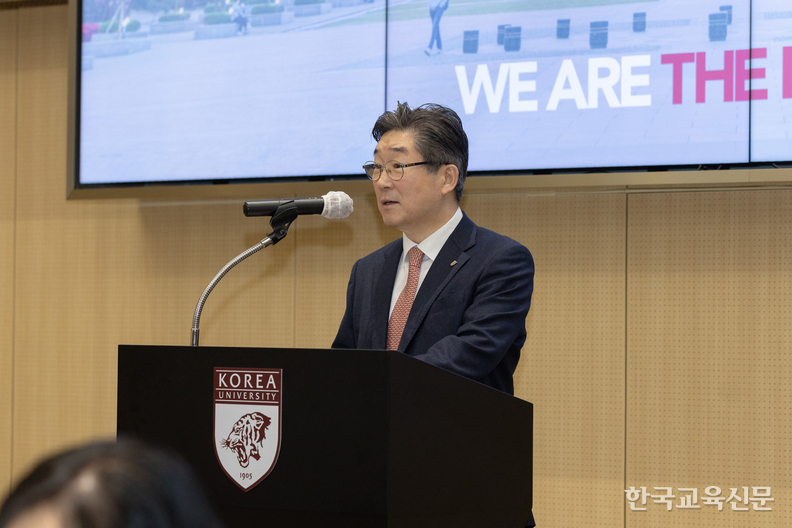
394 169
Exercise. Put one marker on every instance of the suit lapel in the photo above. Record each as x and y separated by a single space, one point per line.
447 264
383 291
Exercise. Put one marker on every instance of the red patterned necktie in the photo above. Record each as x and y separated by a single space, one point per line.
403 304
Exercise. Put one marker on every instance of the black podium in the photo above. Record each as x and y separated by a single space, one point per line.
366 438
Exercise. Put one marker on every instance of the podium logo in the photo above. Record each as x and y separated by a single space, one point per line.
247 423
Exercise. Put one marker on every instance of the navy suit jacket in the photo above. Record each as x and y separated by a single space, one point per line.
468 316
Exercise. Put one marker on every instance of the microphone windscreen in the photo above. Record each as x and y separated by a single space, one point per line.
337 205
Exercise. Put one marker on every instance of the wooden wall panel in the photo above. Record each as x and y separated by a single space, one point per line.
572 365
710 293
64 387
184 247
327 249
8 38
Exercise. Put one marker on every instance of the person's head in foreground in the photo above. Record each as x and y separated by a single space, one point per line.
124 484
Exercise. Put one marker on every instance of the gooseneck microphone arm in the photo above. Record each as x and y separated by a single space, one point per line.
285 214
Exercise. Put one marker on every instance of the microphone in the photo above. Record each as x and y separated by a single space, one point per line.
332 205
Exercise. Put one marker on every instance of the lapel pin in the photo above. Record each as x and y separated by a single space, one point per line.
453 263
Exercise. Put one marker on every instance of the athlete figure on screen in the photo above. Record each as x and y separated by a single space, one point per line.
239 17
436 10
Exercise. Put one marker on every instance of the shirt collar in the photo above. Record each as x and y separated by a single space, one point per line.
432 244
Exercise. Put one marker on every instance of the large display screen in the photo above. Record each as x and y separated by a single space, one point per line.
183 90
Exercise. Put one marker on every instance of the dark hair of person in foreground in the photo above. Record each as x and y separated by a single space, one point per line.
124 484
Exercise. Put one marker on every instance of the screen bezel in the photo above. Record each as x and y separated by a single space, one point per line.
743 174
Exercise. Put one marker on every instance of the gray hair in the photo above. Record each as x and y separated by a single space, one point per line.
439 136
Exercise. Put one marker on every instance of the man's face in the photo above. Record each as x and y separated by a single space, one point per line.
417 204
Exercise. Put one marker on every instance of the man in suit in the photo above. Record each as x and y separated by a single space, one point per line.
466 313
448 292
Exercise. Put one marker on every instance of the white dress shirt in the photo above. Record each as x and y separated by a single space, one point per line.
430 247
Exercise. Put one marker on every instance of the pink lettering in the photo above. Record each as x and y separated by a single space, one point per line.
787 89
677 60
744 75
726 75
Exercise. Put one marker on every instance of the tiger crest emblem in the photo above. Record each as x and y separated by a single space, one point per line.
247 423
247 436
